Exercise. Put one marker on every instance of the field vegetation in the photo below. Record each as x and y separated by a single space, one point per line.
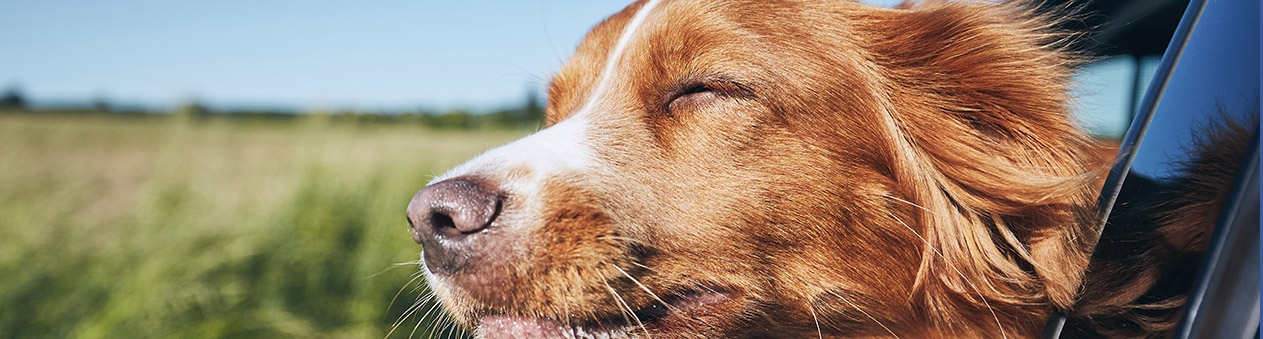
186 226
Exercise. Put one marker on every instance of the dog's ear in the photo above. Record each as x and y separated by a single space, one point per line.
977 116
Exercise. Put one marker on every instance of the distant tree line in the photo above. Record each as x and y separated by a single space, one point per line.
12 100
529 114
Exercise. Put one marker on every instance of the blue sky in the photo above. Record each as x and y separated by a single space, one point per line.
300 54
383 54
306 55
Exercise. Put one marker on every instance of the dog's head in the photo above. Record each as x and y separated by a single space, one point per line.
777 169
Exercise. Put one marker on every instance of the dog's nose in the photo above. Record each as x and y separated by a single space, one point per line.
453 208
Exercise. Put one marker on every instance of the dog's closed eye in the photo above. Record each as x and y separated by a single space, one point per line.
698 93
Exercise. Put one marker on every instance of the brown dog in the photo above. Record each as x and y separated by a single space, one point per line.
780 168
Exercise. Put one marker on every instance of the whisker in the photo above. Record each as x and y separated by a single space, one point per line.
393 266
447 328
642 287
641 265
433 306
625 239
407 313
709 289
958 272
907 202
412 310
870 316
401 288
565 303
819 333
620 300
419 321
424 268
464 332
434 327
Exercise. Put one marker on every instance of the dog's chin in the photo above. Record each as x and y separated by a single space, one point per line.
674 314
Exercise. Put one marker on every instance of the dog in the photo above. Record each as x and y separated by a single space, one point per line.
789 169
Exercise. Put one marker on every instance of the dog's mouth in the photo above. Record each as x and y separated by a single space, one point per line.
659 316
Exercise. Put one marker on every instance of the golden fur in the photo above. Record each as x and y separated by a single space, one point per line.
798 168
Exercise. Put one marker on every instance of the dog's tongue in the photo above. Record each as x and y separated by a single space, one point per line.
516 326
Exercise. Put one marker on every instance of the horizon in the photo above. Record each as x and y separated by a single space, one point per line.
290 55
324 56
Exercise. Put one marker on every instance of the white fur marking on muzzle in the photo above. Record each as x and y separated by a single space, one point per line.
612 60
558 148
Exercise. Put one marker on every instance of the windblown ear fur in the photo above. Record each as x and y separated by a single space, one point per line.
977 116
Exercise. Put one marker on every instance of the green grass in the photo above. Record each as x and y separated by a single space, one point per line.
165 227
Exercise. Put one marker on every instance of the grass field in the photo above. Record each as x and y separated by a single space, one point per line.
168 227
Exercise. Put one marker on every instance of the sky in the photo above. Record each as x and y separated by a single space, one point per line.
317 54
304 55
309 54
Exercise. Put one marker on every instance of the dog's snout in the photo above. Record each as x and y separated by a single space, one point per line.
453 208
